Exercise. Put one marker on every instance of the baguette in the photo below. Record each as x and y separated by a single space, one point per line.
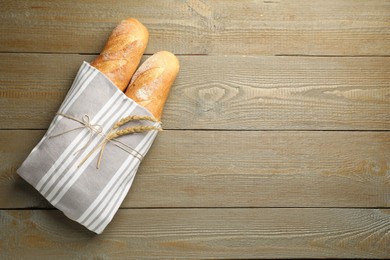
152 82
123 52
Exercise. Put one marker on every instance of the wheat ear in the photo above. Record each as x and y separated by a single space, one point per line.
133 118
132 130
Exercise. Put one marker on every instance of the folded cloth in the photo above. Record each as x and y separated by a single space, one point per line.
63 165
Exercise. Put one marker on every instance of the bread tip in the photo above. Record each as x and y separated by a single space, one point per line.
130 20
136 23
169 56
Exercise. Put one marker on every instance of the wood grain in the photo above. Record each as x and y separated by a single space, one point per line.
279 140
236 169
317 27
200 234
219 92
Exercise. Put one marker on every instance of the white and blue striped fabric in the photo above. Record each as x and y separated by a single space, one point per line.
84 193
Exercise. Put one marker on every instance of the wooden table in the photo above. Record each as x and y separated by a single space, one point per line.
277 139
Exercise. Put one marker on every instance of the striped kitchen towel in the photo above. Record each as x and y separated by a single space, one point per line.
63 165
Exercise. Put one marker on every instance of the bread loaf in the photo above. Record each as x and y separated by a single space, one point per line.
123 52
152 82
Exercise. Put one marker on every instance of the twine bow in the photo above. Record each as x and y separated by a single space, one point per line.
112 134
95 128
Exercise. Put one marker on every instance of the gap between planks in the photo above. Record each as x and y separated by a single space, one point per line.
190 208
205 54
96 53
233 130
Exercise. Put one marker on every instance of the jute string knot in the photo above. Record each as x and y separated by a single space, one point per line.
85 121
112 135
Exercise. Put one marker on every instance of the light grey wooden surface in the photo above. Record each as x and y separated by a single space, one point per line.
273 27
238 169
277 139
202 233
222 92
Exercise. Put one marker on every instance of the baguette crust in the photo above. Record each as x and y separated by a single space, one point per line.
123 52
152 82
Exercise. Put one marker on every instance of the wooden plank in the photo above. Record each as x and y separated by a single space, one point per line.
221 92
200 234
317 27
236 169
